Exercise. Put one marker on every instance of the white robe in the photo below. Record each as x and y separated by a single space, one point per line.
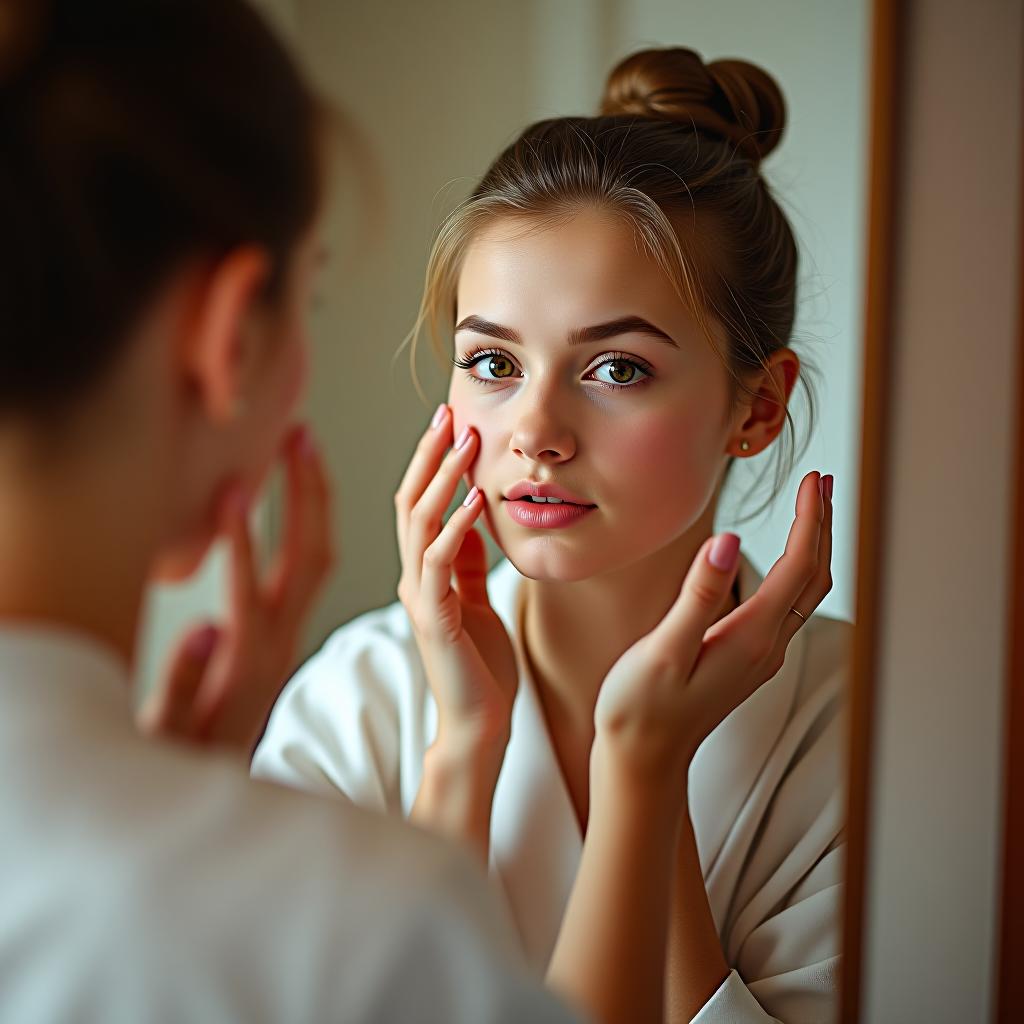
765 795
142 882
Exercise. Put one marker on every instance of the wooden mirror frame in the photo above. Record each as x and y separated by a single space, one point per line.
1010 983
888 23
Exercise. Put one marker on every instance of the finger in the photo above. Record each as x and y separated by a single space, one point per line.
439 558
746 640
421 469
306 554
788 577
428 514
243 584
815 591
760 613
470 568
237 696
680 633
170 709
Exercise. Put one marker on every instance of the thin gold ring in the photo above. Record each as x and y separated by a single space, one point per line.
795 612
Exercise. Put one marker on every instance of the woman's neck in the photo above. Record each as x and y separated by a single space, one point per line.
75 547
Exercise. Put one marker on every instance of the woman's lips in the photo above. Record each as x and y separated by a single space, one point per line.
544 516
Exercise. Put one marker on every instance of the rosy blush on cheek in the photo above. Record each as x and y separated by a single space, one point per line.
460 413
462 418
663 461
643 446
483 472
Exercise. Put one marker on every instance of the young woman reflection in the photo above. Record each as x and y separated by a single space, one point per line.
620 294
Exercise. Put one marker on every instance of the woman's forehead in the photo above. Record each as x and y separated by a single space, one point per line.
572 272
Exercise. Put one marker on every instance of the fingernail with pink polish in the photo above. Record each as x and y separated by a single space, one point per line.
471 497
304 442
202 642
463 439
724 549
238 500
439 416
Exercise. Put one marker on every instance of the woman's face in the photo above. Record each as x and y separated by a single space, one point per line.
270 381
582 370
278 380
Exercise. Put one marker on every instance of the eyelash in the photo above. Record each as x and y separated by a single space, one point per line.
468 361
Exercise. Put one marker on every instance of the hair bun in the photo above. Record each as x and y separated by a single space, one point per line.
729 99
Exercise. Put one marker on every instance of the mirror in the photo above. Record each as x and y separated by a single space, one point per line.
438 90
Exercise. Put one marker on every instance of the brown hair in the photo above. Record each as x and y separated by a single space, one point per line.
676 149
133 136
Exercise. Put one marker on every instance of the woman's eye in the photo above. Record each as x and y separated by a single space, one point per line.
619 372
498 367
487 367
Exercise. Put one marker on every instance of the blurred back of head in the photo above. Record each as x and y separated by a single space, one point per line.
134 135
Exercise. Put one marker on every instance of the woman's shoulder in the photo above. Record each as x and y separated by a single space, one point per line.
827 654
386 632
386 627
834 636
373 655
379 647
358 715
349 714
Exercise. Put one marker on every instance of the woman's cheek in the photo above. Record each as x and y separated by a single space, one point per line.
464 415
664 461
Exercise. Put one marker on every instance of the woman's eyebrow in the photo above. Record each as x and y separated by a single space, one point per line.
623 325
478 325
578 336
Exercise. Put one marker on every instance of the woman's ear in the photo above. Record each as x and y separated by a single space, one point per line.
765 410
220 342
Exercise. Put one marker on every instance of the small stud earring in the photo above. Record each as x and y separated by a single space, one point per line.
744 445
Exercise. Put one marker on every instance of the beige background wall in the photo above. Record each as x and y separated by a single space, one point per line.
438 88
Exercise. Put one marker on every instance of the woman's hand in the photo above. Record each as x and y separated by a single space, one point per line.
224 678
676 684
466 649
468 657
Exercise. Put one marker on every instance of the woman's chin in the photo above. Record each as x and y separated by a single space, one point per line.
547 561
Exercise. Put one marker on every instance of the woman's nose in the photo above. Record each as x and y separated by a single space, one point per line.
539 437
